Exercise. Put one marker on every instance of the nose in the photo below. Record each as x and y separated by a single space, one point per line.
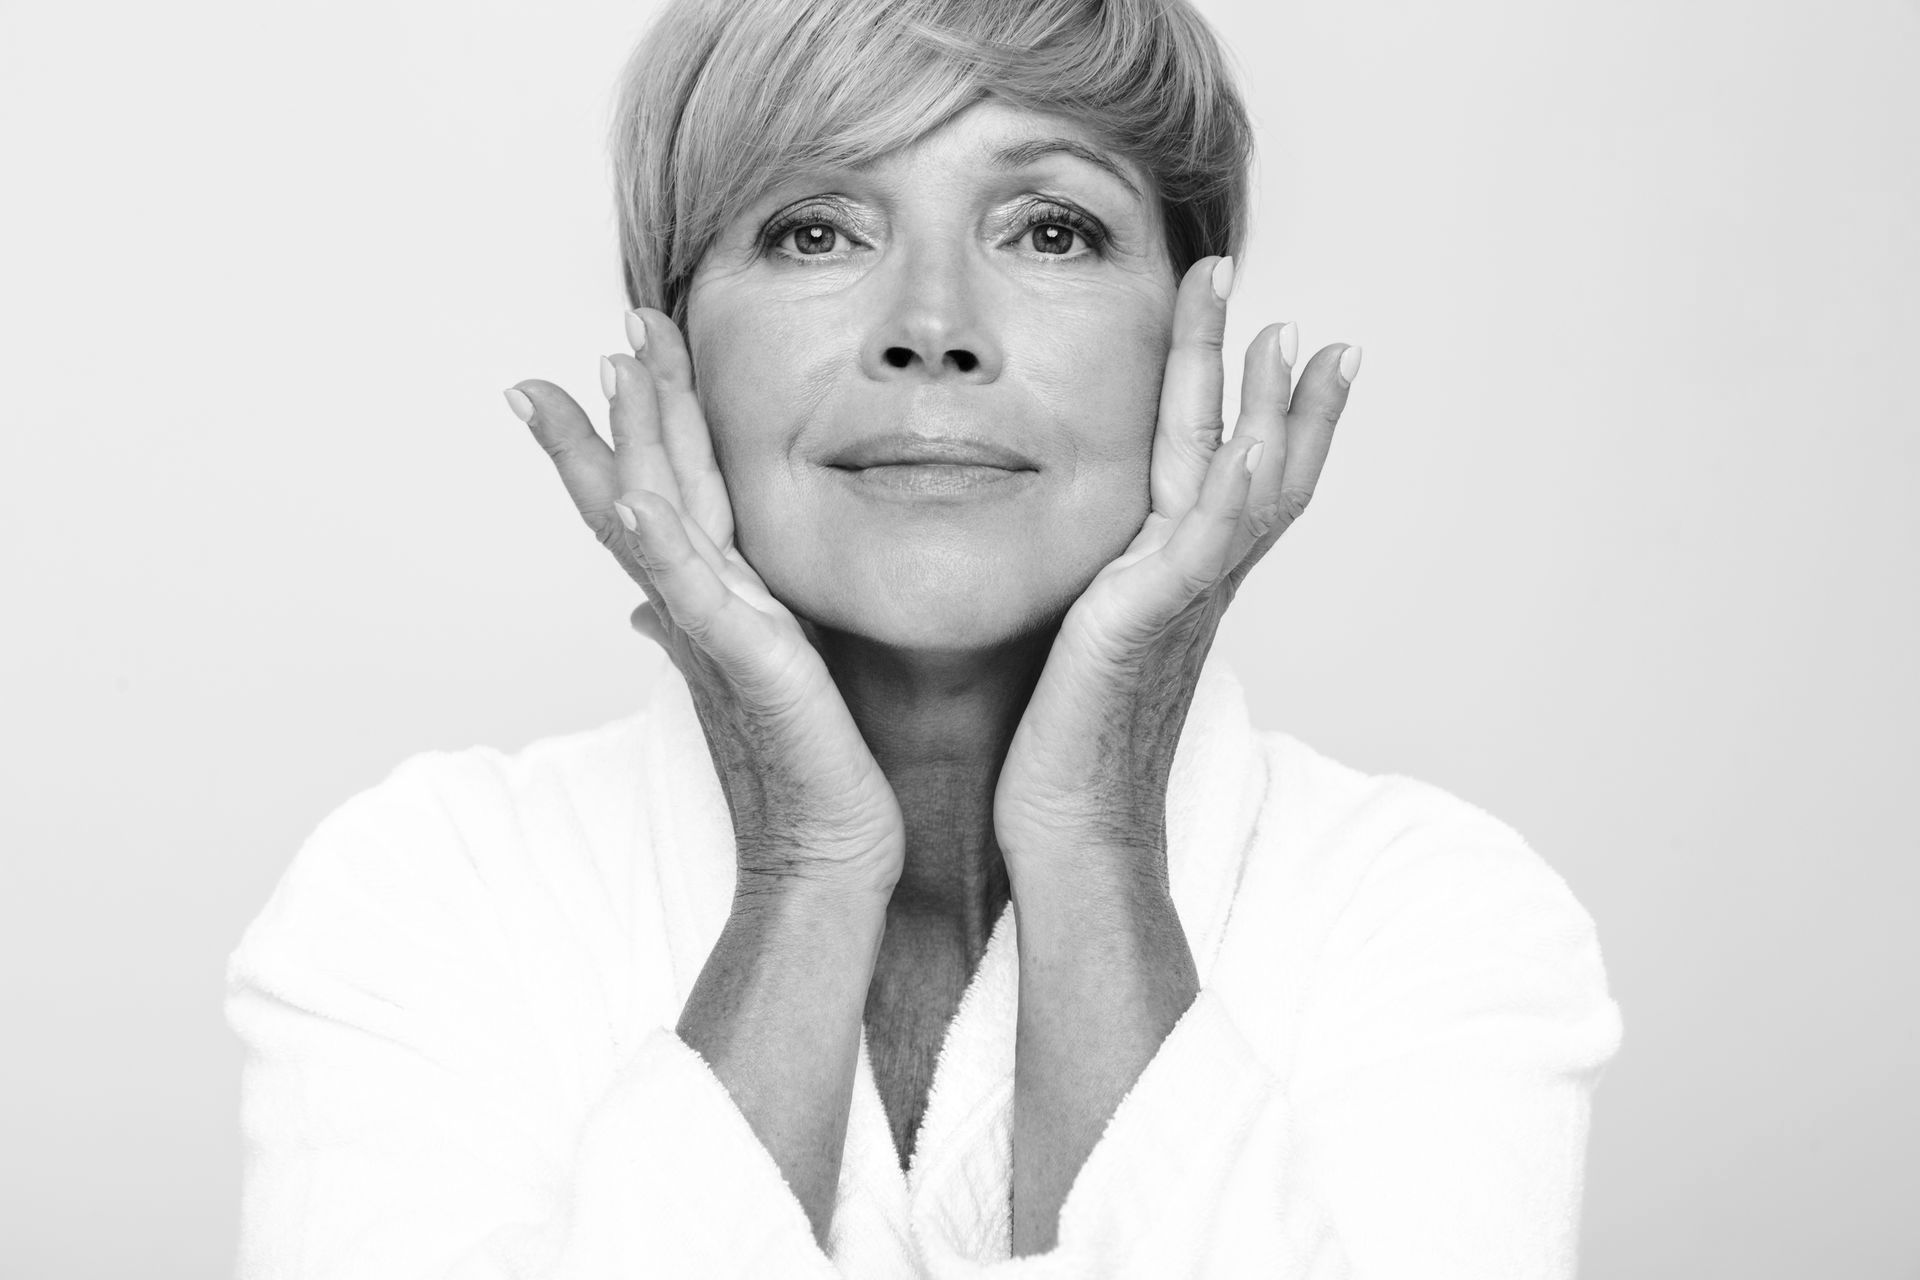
934 318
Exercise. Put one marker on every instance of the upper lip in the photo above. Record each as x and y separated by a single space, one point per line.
904 448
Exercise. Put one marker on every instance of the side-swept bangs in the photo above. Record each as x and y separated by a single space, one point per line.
724 99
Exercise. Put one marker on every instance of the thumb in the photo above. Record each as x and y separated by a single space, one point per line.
646 621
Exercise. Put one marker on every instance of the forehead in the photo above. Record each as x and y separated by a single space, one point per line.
993 136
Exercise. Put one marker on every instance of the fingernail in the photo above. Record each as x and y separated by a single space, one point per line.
626 516
609 380
518 402
1289 342
636 332
1223 278
1253 457
1349 364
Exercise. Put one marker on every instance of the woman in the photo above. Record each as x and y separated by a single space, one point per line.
918 457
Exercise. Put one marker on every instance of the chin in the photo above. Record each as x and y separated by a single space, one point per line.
966 606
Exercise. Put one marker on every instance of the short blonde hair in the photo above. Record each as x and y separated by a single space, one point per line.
723 99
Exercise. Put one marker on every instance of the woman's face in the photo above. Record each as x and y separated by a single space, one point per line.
984 284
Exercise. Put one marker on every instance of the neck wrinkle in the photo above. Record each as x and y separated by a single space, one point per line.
939 725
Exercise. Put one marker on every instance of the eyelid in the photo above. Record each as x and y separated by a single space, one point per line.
1033 211
1040 210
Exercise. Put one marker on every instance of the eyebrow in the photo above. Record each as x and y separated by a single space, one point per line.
1016 154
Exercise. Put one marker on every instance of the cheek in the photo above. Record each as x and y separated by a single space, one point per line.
736 371
1081 376
745 367
1136 361
1096 370
1102 383
763 371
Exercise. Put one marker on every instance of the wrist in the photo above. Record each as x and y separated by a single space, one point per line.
1098 872
823 906
1110 956
1117 901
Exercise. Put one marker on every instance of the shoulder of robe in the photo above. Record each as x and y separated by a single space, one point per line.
1386 875
445 835
1352 831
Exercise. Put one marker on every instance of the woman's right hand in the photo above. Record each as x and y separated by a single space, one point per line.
810 805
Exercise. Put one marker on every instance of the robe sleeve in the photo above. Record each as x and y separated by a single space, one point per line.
407 1114
1433 1125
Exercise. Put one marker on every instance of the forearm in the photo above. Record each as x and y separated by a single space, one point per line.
1105 973
776 1012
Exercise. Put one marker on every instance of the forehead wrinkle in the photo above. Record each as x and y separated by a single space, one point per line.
1016 154
891 168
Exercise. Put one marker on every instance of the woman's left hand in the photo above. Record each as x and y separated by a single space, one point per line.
1081 799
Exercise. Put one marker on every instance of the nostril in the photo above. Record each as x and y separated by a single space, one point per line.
957 358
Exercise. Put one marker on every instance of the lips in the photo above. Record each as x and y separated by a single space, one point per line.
904 449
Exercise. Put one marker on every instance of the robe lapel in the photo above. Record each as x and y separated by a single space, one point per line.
960 1181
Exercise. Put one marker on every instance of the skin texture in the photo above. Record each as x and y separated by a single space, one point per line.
935 620
1019 660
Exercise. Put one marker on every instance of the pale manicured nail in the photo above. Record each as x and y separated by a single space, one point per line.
626 517
1253 457
609 380
1223 278
1289 342
518 402
636 332
1349 364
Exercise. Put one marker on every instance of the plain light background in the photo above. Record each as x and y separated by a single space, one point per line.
1618 539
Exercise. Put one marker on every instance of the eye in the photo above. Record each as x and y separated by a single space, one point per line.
1057 230
818 229
814 238
1051 237
1050 229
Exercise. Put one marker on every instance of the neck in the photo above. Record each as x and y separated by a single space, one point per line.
939 724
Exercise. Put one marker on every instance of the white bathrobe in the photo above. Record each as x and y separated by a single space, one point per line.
458 1009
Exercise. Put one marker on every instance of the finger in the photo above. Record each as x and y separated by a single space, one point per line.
1189 425
1289 339
738 637
1266 379
662 349
1195 556
645 620
732 568
562 428
1318 402
633 420
586 465
716 559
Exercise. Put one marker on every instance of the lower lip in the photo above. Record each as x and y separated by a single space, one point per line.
934 479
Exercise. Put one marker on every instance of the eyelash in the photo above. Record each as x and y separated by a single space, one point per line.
1036 214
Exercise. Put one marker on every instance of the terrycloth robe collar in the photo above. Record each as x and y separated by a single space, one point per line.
960 1178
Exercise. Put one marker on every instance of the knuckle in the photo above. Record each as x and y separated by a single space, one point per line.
1293 502
608 530
676 375
1189 580
1197 435
1264 515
